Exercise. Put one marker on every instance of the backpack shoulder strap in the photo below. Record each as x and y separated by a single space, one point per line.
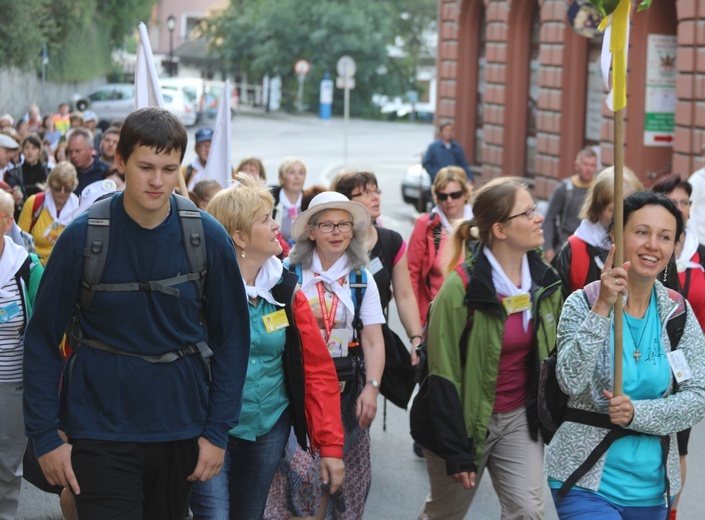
384 236
437 230
37 208
22 279
676 324
95 253
579 262
358 286
194 241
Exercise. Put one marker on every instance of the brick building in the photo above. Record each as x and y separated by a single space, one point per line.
524 89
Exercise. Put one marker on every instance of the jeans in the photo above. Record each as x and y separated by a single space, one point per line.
584 505
239 491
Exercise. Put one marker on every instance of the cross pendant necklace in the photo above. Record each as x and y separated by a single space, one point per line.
637 354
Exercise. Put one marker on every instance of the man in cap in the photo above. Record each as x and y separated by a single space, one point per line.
194 171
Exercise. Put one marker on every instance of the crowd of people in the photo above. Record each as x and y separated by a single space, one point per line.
257 345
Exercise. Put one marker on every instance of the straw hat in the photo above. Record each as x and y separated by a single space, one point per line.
331 200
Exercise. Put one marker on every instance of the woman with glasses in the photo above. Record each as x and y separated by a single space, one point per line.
451 193
46 214
483 394
685 273
581 259
330 258
387 250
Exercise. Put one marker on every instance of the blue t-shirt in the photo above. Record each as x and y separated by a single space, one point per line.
633 474
265 397
123 398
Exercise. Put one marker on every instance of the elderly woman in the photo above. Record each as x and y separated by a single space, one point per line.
46 214
330 258
629 477
388 264
451 192
291 380
581 259
19 278
482 394
287 196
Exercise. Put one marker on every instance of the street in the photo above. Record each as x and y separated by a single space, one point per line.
399 481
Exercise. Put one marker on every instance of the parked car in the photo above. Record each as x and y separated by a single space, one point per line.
213 93
194 89
117 101
416 188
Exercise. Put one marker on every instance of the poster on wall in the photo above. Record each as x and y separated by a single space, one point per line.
593 100
660 93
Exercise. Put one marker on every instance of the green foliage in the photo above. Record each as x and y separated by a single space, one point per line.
79 34
268 36
607 7
24 36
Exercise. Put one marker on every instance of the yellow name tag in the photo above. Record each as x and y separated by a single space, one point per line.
275 321
519 303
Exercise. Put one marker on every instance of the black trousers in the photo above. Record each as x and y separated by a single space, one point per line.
133 481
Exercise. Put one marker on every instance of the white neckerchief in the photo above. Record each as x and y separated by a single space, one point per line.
330 278
66 212
13 256
593 234
267 277
503 285
286 203
685 259
467 214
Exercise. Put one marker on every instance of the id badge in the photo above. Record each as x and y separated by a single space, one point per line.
519 303
679 366
8 312
338 342
275 321
375 265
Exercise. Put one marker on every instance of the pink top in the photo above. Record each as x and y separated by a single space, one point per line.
513 376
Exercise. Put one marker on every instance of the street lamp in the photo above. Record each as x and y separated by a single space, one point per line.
171 23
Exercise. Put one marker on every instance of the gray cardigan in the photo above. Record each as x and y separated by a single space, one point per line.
585 368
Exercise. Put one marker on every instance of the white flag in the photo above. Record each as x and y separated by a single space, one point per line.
147 91
218 166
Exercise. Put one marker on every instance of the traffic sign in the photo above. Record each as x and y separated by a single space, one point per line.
302 67
346 66
343 82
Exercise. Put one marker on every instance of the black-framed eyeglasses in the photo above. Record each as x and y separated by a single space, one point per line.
328 227
529 214
367 193
444 196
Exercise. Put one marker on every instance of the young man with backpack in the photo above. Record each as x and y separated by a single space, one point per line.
150 292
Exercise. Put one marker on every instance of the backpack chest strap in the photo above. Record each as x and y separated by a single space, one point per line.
163 286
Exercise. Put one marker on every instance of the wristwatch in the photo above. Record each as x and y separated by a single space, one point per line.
374 383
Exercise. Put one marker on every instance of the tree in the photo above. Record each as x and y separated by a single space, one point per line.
261 37
27 28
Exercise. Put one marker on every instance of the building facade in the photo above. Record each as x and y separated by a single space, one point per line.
525 93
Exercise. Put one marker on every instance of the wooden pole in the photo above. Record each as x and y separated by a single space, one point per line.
619 243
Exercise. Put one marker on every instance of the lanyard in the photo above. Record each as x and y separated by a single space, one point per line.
328 319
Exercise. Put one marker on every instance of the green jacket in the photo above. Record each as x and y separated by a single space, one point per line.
29 290
461 392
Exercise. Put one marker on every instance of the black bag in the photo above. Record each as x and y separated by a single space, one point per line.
398 381
32 471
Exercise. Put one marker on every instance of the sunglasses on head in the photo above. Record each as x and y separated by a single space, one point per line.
444 196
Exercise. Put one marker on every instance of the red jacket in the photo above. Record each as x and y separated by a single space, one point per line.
311 378
423 257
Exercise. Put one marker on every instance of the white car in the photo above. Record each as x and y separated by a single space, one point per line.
416 188
117 101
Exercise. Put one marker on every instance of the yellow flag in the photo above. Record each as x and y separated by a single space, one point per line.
619 47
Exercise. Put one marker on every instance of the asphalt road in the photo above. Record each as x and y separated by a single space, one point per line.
399 481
